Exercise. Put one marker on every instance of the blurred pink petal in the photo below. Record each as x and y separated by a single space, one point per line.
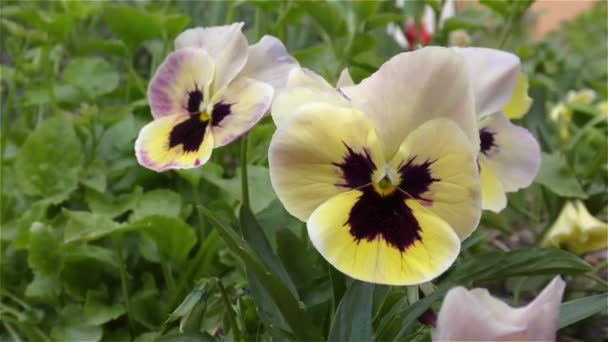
477 316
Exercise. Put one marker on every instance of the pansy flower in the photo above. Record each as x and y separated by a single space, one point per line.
476 315
388 184
509 156
207 93
577 230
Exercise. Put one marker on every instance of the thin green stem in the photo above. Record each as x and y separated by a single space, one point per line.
12 332
168 275
244 184
504 36
123 280
230 315
517 290
412 294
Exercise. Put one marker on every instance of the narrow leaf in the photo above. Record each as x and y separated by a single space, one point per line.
579 309
353 319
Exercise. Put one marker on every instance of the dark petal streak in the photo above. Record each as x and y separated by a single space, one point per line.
416 178
220 111
189 133
387 216
195 98
357 168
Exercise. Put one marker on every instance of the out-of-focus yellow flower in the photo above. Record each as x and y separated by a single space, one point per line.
602 107
577 230
584 96
562 115
460 38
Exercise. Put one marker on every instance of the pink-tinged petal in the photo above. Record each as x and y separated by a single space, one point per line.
415 87
269 62
236 109
226 45
477 316
493 74
515 154
180 82
174 142
345 80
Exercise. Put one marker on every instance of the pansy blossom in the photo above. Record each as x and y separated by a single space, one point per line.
207 93
509 156
387 180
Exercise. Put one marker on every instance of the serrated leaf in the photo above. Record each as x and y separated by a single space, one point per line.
160 202
353 319
579 309
50 160
85 226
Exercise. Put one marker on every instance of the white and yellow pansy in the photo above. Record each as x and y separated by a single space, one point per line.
209 91
509 156
385 177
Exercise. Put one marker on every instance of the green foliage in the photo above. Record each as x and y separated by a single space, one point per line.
95 247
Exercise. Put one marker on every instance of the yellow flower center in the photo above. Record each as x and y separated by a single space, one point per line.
204 117
384 187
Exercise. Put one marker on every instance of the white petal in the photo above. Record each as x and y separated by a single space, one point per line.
542 314
412 88
269 62
242 104
225 44
345 80
516 156
493 74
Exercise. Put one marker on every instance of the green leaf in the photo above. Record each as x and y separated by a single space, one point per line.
579 309
160 202
557 176
92 75
501 7
85 226
413 311
327 15
83 252
97 311
256 238
353 319
382 19
50 160
500 265
365 9
106 204
293 311
71 327
44 288
45 254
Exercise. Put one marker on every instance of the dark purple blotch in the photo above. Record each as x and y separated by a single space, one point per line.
487 140
357 168
220 111
416 178
189 133
195 97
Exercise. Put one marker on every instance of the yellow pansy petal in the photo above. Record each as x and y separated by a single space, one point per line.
238 107
307 155
437 167
412 88
181 83
510 150
354 236
226 45
520 102
174 142
577 230
304 87
493 195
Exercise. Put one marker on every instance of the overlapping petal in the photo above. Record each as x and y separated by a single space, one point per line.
174 142
437 166
238 107
412 88
307 150
181 83
345 80
372 255
493 194
477 316
304 87
268 61
520 102
493 75
226 45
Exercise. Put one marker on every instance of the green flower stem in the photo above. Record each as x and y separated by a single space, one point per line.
244 184
168 275
230 312
12 332
412 294
123 280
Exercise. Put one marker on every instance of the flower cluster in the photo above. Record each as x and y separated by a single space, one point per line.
561 114
390 174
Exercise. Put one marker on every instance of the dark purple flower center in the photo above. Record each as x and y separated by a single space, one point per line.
381 210
487 140
195 98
